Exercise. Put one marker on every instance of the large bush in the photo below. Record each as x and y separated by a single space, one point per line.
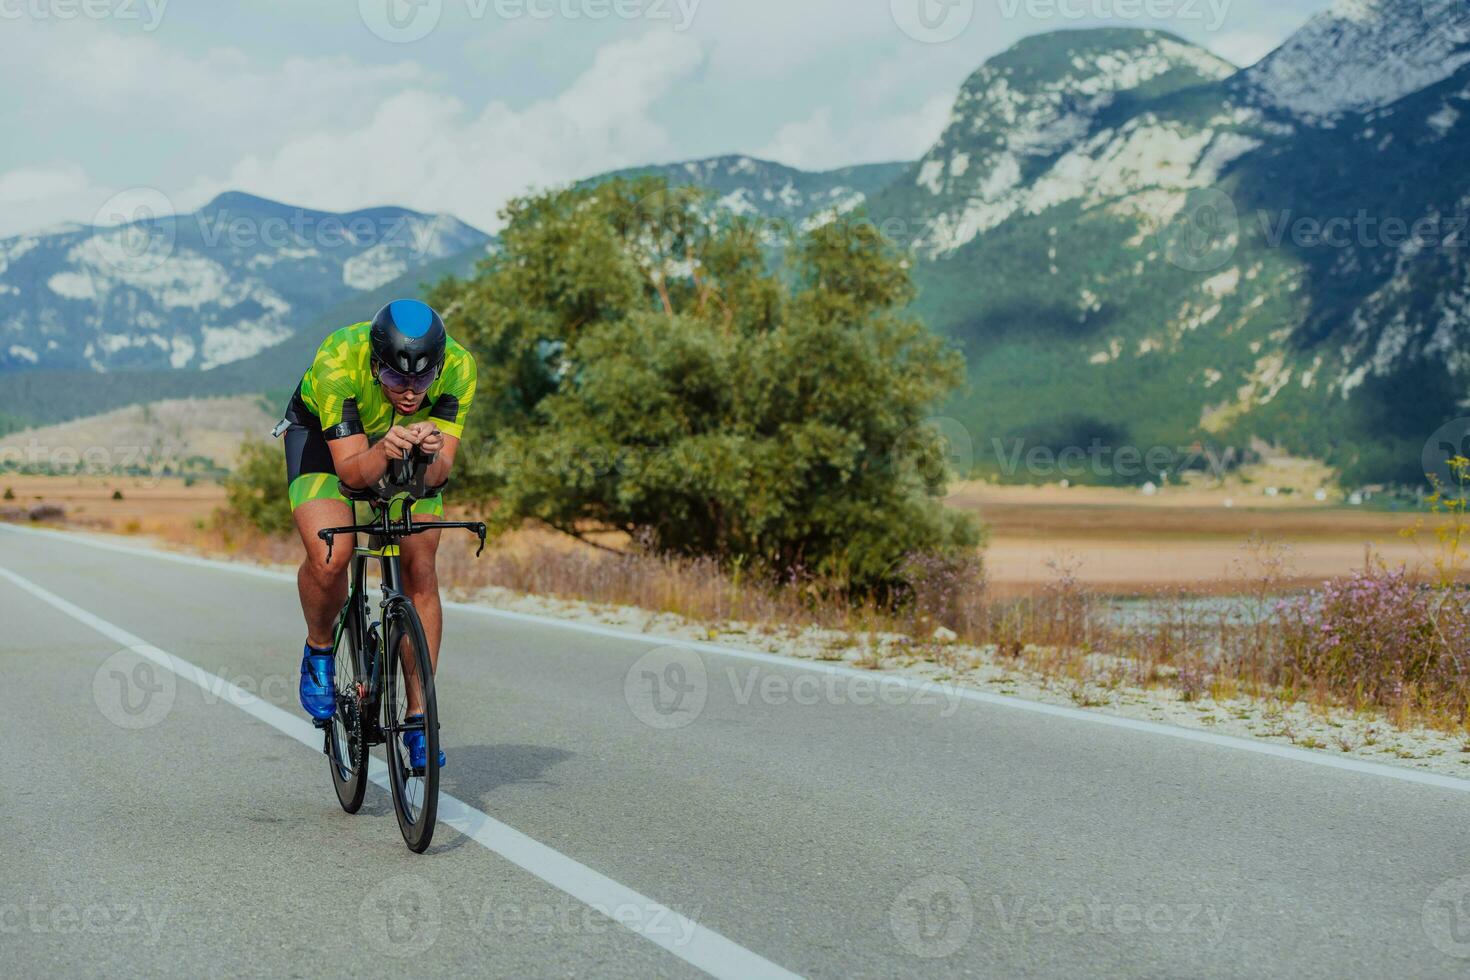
643 370
256 488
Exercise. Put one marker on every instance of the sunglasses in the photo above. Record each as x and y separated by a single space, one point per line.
403 382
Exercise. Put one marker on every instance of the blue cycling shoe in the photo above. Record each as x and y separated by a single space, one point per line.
418 753
318 682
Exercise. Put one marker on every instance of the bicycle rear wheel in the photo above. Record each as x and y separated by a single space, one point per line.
415 790
346 744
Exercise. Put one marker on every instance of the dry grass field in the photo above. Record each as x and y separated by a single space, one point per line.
1114 540
149 505
146 435
1122 541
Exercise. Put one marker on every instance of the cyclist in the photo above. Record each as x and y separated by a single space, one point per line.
373 392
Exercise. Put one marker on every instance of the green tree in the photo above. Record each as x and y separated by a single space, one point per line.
256 490
644 371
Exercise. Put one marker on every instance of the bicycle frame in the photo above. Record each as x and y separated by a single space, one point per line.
384 534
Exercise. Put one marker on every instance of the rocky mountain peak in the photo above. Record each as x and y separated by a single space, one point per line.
1363 54
1028 106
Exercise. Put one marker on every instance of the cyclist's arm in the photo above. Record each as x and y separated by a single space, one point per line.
361 465
449 414
444 462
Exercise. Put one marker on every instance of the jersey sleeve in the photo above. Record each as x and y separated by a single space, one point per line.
335 391
452 407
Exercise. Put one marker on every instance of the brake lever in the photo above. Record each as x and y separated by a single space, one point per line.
327 537
480 530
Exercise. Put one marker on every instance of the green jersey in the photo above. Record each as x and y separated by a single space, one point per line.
340 391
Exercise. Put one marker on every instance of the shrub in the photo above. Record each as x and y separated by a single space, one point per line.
1381 637
946 592
256 490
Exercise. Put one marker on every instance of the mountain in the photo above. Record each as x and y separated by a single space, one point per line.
42 396
1126 237
746 186
1360 55
198 290
1018 136
226 298
1134 243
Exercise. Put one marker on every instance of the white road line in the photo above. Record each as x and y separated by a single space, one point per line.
893 680
691 942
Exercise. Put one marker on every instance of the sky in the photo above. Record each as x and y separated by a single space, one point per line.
458 105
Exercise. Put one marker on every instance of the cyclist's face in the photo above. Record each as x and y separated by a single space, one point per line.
399 389
404 402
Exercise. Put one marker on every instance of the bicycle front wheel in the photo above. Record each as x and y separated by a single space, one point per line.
407 672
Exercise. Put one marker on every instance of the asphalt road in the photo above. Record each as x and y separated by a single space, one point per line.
793 820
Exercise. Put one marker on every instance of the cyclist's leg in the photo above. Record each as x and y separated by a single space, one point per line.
316 504
418 556
322 586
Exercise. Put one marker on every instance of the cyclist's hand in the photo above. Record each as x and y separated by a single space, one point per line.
431 440
398 441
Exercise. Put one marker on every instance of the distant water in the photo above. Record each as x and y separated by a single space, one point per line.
1149 612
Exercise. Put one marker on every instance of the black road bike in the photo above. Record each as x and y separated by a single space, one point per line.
378 661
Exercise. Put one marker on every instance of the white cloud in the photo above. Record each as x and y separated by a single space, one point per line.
31 197
816 143
426 150
165 94
303 104
776 38
29 184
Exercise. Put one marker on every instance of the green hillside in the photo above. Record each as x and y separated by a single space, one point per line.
1141 270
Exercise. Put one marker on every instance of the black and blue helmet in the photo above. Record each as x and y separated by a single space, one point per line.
408 336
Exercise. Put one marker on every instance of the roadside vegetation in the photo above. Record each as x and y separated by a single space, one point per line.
1377 647
742 445
1376 642
255 492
